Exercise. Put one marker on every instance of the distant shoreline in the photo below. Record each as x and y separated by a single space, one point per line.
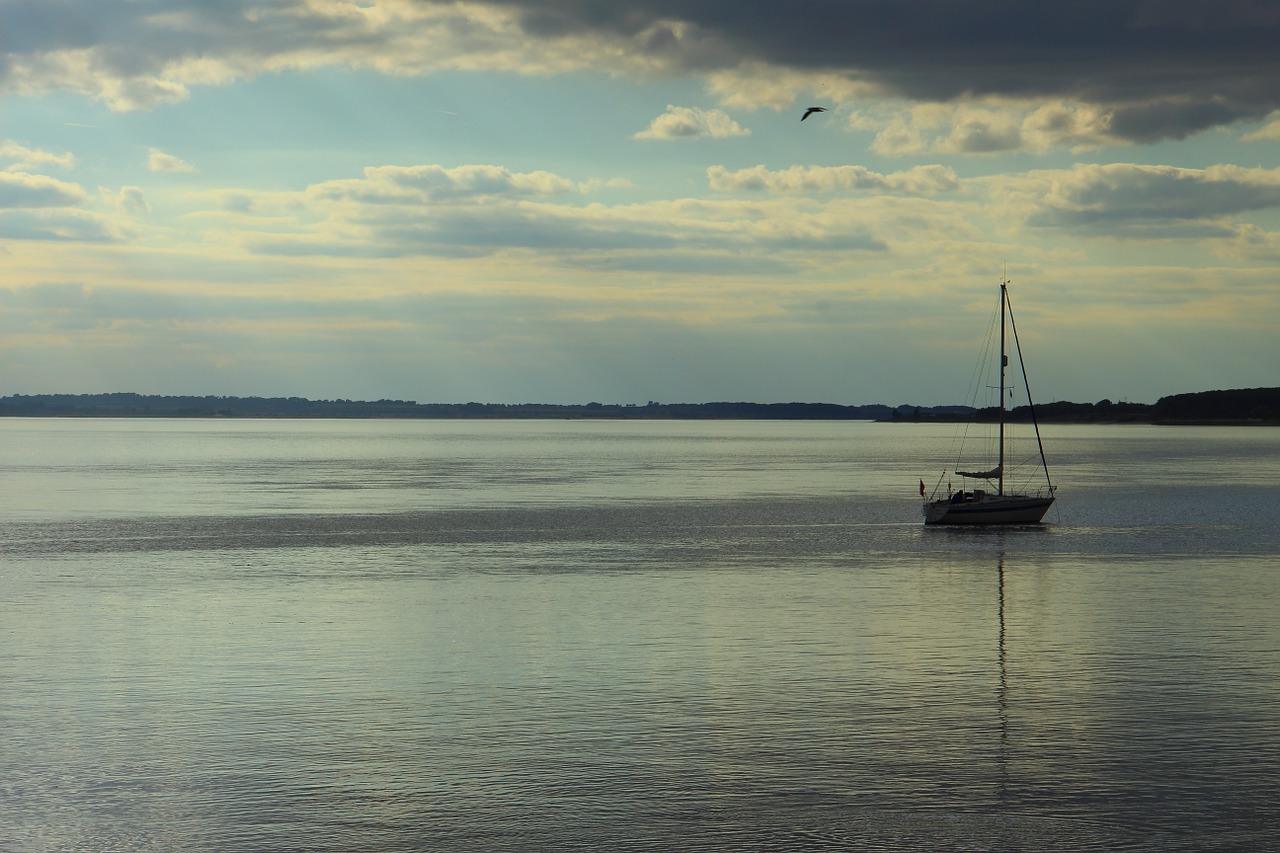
1252 406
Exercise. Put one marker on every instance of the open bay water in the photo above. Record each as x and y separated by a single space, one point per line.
390 636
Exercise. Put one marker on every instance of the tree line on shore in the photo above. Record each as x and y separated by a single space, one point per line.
1251 405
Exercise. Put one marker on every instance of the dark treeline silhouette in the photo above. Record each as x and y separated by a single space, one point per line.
143 406
1253 405
1240 406
1246 404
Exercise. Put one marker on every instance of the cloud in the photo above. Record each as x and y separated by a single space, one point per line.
18 190
1177 117
993 127
140 56
692 123
983 132
477 211
950 129
374 229
1254 244
1269 131
1061 124
20 158
921 180
1157 201
159 161
41 208
127 200
56 225
409 184
752 85
236 201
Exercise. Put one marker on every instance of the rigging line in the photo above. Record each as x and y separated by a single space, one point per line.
1030 405
977 381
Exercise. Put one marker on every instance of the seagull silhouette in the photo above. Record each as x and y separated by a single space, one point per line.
811 111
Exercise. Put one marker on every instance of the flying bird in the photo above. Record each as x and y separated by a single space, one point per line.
811 111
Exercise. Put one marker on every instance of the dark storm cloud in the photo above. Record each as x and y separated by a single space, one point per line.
1167 67
1157 68
1175 117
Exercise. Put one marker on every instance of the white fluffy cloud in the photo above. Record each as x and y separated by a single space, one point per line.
991 127
692 123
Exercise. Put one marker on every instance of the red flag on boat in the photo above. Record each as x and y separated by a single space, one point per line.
922 488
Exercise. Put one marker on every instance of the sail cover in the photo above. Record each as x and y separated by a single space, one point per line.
993 474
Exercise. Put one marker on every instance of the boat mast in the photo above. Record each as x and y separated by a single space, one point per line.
1004 362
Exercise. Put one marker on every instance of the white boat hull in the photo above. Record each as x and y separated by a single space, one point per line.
988 509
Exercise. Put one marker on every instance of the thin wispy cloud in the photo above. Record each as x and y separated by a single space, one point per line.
21 158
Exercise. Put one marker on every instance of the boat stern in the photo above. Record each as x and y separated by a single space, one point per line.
935 511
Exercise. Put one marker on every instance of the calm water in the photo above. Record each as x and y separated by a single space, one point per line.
503 636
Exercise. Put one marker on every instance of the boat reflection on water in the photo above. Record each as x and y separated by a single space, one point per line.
1002 690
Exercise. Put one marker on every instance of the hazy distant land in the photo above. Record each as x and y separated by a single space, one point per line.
1242 406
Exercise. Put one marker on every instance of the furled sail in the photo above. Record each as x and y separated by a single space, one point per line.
993 474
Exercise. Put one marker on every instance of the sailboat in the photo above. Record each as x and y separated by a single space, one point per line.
987 502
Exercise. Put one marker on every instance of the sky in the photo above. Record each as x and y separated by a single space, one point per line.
572 201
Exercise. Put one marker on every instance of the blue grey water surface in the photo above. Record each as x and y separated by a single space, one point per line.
383 636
